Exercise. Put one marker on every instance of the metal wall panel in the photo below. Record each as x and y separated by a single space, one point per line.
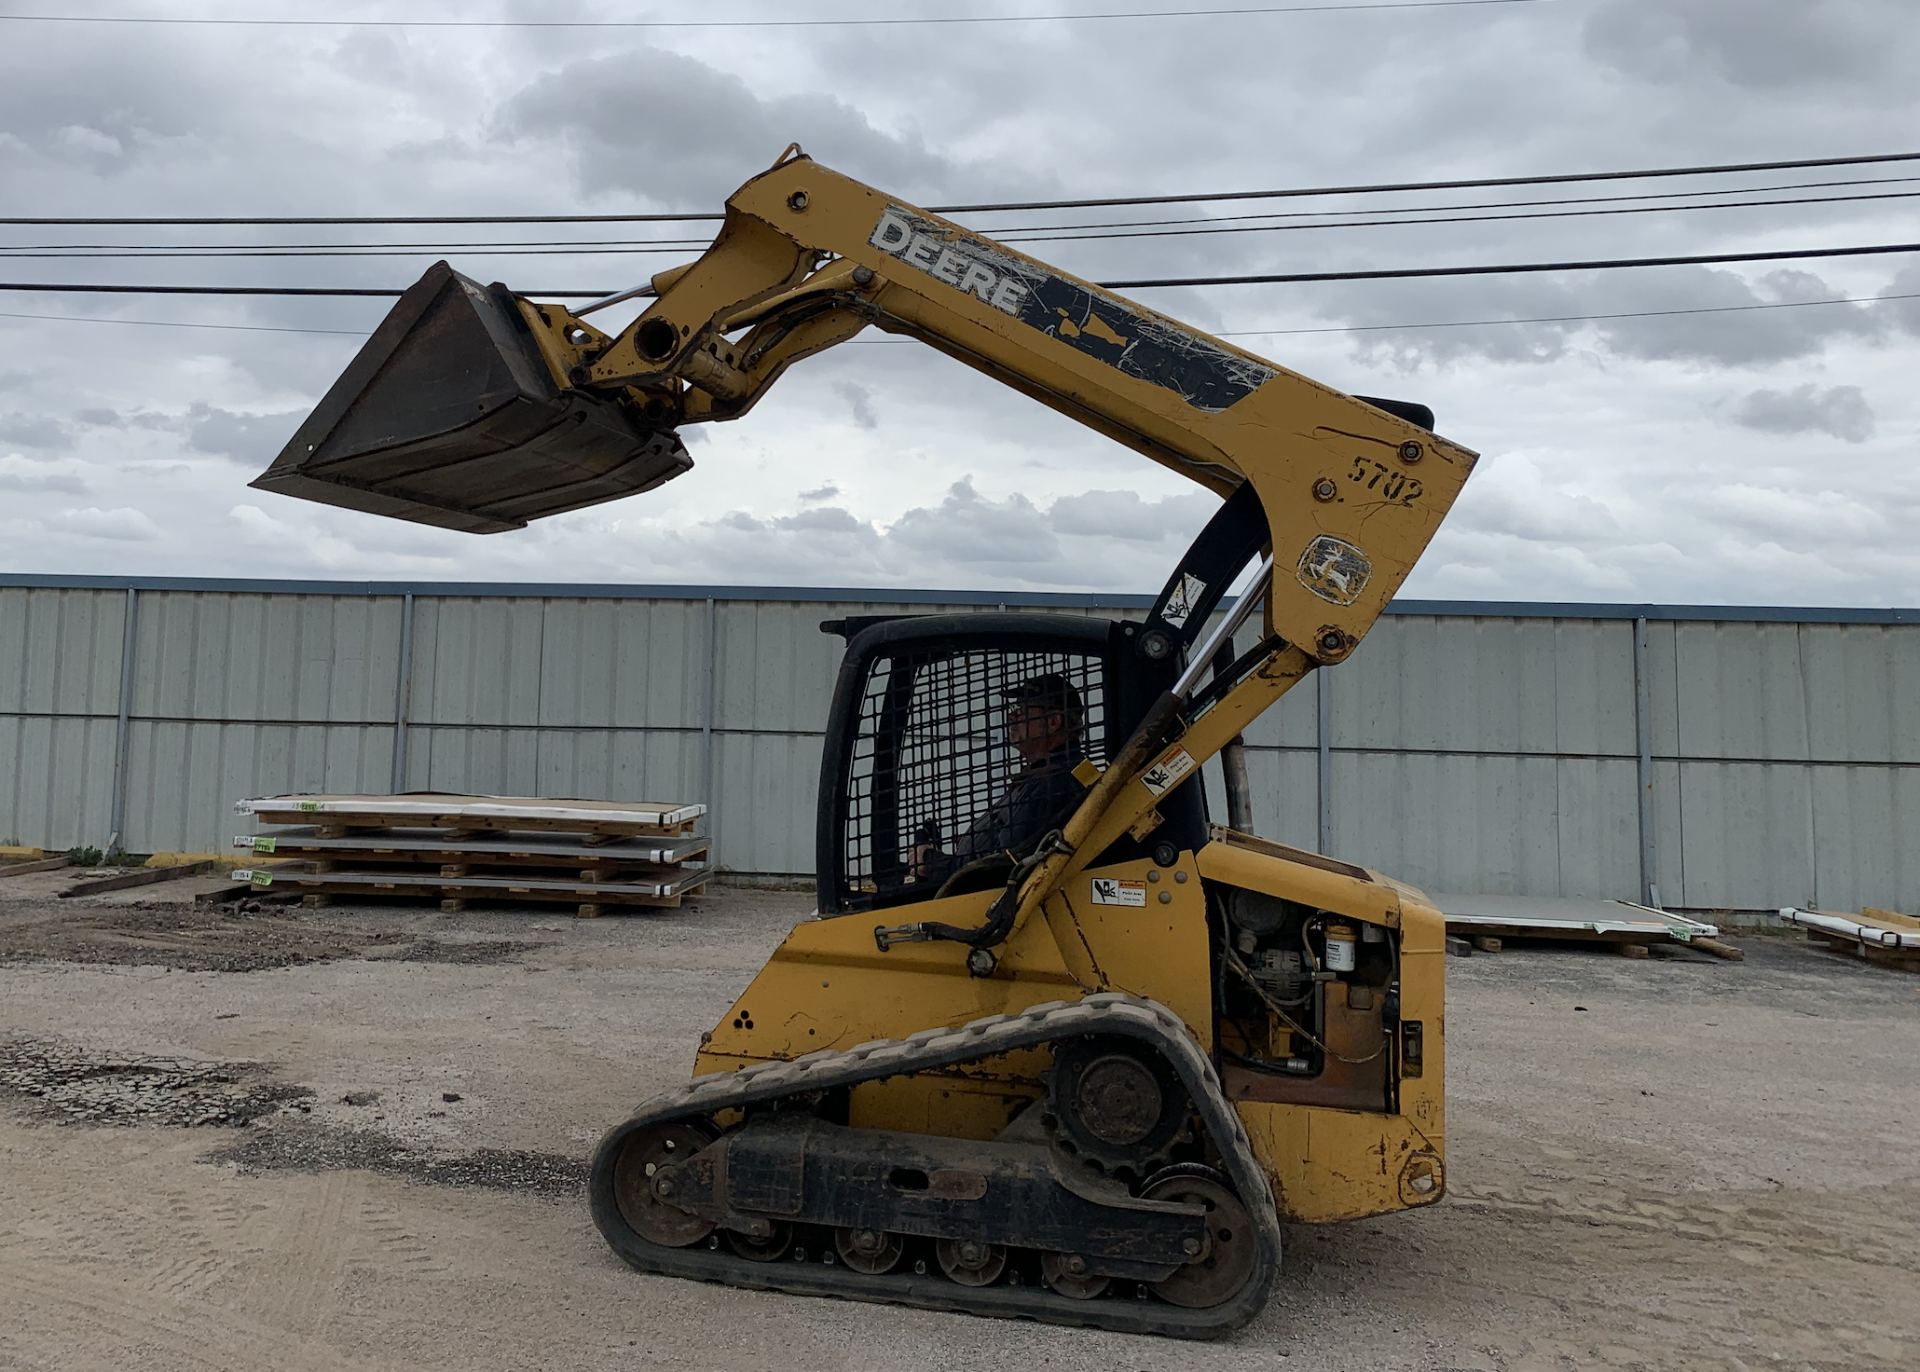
1496 685
60 650
1470 749
56 780
1863 692
306 659
183 777
586 764
1866 850
1740 691
1746 836
619 664
1500 824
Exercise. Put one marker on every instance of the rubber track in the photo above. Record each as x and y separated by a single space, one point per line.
1106 1013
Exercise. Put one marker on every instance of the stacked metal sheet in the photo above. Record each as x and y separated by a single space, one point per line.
1885 937
1484 921
588 853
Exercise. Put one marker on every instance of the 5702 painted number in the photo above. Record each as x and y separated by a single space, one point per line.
1394 485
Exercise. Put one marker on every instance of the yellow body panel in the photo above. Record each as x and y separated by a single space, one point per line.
829 986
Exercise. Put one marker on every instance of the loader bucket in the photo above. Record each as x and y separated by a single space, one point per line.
450 416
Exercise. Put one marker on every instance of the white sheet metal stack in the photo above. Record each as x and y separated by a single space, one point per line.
588 853
1881 936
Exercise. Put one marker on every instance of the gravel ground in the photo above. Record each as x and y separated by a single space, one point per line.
355 1137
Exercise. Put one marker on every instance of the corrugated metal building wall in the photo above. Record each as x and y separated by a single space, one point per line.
1465 747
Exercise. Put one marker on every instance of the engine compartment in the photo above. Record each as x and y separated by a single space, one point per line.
1308 1003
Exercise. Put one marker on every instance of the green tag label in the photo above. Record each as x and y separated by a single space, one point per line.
309 805
263 878
263 845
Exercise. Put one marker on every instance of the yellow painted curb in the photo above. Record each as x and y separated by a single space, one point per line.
222 860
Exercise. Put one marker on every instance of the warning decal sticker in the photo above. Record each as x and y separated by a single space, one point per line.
1185 596
1168 772
1113 891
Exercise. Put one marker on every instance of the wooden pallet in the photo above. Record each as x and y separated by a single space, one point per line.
487 814
433 845
1900 959
668 887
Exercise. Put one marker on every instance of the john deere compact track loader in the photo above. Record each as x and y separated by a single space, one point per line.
1056 1046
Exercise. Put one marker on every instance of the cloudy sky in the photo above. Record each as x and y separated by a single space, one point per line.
1735 456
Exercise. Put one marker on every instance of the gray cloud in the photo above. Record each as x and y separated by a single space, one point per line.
680 132
19 473
1124 515
249 439
859 401
1739 337
34 431
1726 328
123 525
968 526
826 492
1760 44
1905 314
1838 411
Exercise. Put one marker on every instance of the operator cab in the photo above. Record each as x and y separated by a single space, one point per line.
954 741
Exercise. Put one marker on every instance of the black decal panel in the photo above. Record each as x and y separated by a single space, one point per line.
1198 370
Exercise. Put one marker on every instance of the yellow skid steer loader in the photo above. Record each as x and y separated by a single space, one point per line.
1056 1047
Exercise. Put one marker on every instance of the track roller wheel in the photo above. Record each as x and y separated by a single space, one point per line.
970 1262
653 1217
872 1251
769 1247
1067 1274
1226 1260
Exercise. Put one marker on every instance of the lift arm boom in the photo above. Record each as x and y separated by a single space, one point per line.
1348 494
808 257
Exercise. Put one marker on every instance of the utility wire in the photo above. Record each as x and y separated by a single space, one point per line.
1069 234
1387 274
1482 205
1083 237
1225 333
1603 264
178 324
900 22
1296 193
1570 318
479 245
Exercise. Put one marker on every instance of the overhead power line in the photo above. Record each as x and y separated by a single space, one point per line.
1602 264
1571 318
107 252
904 21
493 245
1384 274
1382 188
1225 333
178 324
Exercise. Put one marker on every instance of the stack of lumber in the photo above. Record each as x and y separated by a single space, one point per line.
587 853
1879 936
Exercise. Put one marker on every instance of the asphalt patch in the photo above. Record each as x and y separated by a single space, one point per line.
475 953
66 1082
293 1144
209 938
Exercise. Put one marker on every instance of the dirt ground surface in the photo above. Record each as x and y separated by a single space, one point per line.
240 1138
